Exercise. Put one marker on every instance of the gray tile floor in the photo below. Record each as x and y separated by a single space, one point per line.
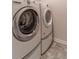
57 51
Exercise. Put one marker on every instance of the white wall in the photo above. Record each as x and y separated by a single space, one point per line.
60 18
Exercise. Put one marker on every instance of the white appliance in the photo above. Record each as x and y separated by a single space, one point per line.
47 27
26 30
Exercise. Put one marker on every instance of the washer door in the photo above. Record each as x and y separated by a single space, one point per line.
25 24
47 17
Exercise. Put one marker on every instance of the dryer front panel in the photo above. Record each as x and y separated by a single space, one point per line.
47 21
47 28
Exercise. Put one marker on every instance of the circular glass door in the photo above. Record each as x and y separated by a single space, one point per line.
26 24
48 18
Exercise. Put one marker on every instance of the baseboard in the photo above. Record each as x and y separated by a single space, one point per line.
60 41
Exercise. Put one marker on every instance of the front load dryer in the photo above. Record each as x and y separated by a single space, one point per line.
47 27
26 30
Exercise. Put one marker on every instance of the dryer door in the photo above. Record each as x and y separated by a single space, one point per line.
25 24
47 17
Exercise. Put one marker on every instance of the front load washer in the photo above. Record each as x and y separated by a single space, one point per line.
26 29
47 27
